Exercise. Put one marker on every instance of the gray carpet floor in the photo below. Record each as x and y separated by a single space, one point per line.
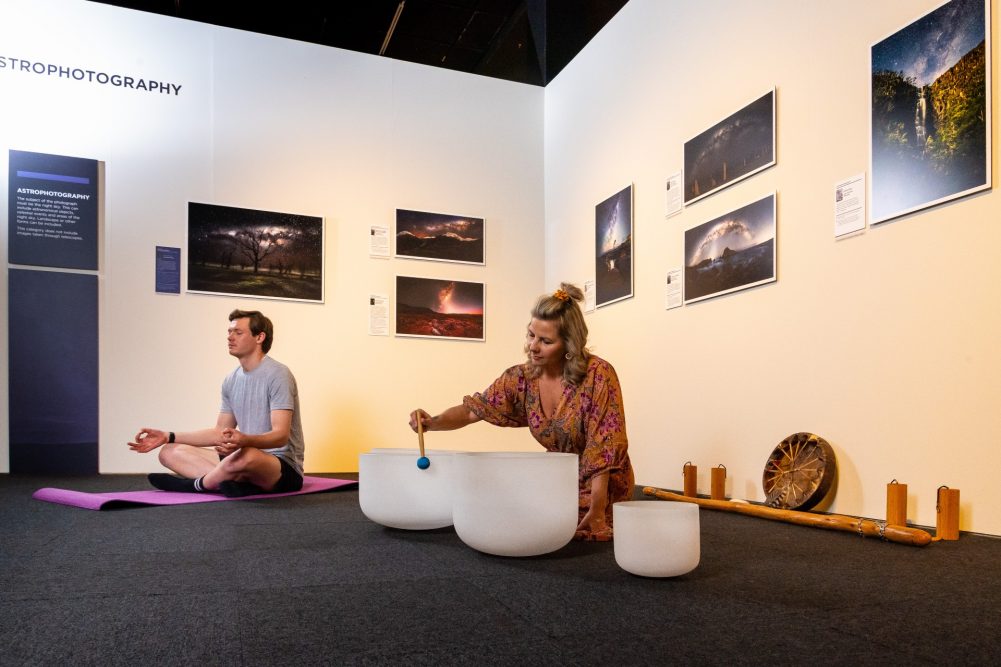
308 580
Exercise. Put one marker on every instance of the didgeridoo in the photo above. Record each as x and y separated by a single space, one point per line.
865 527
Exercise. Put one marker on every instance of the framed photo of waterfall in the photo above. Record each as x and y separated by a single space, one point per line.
930 123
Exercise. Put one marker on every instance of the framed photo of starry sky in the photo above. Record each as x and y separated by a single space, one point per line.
613 248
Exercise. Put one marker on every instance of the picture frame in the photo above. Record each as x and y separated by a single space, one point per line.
735 148
440 308
731 252
930 111
253 253
613 248
439 237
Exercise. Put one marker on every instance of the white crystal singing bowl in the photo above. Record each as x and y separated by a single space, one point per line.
394 492
656 538
515 503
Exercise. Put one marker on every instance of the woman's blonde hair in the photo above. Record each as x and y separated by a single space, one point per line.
561 307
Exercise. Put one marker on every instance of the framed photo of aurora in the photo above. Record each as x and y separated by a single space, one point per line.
931 110
739 146
247 252
732 252
436 308
438 236
613 248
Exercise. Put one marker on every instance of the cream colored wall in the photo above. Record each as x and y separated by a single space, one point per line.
885 344
283 126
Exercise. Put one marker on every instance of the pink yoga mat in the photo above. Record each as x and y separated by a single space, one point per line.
100 501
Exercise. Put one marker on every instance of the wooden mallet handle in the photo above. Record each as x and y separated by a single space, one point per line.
420 433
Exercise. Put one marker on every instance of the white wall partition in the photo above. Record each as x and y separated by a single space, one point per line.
279 125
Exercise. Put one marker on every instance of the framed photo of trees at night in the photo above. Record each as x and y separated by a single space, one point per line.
931 110
246 252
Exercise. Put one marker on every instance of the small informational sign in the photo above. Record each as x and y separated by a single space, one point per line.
378 242
590 296
168 270
673 295
378 315
52 210
849 206
675 202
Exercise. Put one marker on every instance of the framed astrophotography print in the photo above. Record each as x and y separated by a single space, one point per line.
438 236
439 308
731 252
739 146
930 104
247 252
613 248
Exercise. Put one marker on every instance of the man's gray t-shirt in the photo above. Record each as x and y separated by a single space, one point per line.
250 398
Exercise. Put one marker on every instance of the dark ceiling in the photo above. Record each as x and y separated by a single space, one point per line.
529 41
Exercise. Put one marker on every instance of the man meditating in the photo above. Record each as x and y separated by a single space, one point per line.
256 445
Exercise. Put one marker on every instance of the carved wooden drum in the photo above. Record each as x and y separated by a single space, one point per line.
799 472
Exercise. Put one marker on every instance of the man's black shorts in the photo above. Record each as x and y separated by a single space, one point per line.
290 480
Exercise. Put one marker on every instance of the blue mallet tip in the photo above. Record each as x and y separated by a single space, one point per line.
423 463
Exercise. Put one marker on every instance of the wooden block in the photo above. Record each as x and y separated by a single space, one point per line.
896 504
691 480
947 523
717 486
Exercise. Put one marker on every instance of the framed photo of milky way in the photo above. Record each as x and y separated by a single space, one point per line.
439 236
930 103
731 252
733 149
439 308
247 252
613 248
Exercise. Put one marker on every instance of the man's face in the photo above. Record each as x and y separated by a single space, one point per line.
241 341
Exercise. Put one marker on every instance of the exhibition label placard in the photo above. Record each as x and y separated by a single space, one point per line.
52 210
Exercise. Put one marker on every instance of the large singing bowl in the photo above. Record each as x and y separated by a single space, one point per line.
515 503
654 538
394 492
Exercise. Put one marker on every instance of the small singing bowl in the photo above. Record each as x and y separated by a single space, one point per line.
394 492
655 538
515 503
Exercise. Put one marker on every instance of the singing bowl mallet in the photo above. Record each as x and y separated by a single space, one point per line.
423 462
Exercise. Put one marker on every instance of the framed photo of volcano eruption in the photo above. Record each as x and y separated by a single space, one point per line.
439 308
613 248
733 149
438 236
930 122
732 252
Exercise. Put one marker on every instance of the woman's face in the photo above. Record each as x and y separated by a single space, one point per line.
544 344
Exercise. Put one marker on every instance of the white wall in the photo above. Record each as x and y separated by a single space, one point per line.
885 344
283 126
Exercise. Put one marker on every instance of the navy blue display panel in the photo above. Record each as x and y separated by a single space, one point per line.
52 210
53 372
168 270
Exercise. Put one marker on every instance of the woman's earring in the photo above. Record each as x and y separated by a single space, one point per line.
568 356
